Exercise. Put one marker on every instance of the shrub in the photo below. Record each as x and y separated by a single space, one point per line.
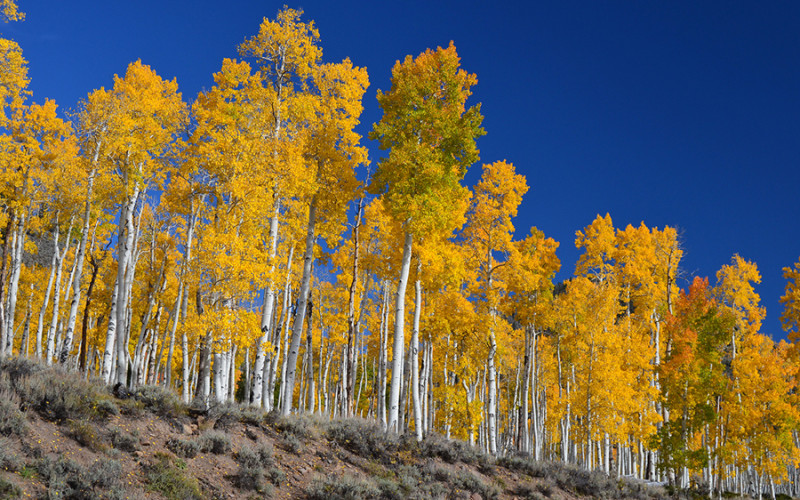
451 451
214 442
251 415
527 491
292 443
9 459
65 478
9 490
12 420
345 487
86 435
275 475
18 368
59 395
252 463
468 481
302 426
160 400
124 441
364 438
183 448
168 477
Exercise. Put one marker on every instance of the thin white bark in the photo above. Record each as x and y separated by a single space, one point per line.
302 301
399 339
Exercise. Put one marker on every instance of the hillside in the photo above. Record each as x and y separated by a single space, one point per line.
65 437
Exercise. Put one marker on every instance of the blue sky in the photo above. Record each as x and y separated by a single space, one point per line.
672 113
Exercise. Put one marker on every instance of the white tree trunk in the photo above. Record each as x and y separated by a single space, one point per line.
257 389
76 279
13 285
399 338
51 332
46 302
302 301
415 356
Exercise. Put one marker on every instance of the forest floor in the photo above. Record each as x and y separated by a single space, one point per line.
64 437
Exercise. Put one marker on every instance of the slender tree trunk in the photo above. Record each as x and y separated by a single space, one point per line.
46 302
18 248
7 240
418 428
51 332
349 374
257 389
76 283
399 340
302 300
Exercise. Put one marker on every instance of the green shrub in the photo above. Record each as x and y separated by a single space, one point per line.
364 438
12 420
451 451
9 490
59 395
184 448
18 368
468 481
252 462
124 441
301 426
345 487
10 460
66 478
292 443
214 442
86 435
160 400
165 476
527 491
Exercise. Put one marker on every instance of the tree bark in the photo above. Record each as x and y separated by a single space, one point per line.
302 301
399 340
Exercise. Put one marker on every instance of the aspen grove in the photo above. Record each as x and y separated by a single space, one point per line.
240 248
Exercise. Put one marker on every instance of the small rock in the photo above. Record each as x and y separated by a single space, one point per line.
187 429
138 453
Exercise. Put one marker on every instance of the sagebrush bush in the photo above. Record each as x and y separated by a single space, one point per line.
364 438
450 450
66 478
10 460
466 480
9 490
301 426
252 462
12 420
160 400
169 478
59 395
214 442
86 434
184 448
292 443
344 487
124 441
18 368
527 491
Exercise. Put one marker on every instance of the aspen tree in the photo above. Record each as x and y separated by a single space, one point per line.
430 136
285 52
144 115
332 153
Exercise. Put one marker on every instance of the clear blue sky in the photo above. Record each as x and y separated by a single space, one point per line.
672 113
